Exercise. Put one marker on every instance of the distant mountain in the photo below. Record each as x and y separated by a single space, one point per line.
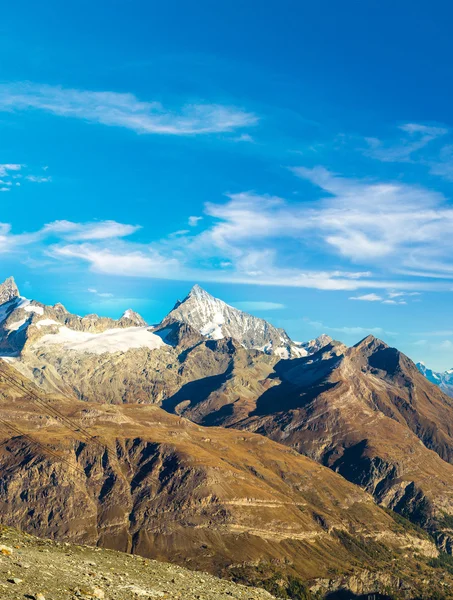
443 379
216 320
102 359
27 324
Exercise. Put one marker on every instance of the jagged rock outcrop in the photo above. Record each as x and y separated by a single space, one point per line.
8 291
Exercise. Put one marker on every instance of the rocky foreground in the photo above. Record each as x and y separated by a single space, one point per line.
45 570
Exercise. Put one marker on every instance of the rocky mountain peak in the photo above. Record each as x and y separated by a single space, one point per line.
59 307
198 292
370 344
135 318
8 290
215 319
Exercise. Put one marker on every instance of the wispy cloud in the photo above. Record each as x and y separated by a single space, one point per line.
415 137
371 232
259 305
100 294
124 110
393 298
193 221
425 145
63 231
6 169
367 298
123 263
352 331
38 179
11 174
370 223
101 230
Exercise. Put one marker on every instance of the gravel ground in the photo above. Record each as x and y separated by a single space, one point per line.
45 570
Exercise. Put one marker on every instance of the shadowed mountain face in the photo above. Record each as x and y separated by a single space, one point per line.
364 411
209 498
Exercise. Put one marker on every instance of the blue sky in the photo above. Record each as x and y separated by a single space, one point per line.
293 158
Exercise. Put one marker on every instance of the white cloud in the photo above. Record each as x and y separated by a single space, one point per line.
244 137
372 223
126 263
367 298
6 168
9 173
62 230
416 137
124 110
395 294
38 179
259 305
100 294
193 221
353 331
374 231
101 230
446 345
396 302
386 227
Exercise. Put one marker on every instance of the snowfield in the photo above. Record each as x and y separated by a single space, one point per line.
111 340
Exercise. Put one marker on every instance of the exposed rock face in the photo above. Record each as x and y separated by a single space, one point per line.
169 489
8 291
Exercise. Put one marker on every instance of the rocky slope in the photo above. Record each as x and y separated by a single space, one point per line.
365 411
230 502
43 570
443 380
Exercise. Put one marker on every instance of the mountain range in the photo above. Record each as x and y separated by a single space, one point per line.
443 379
217 442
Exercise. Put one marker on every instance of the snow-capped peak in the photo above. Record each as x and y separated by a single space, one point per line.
8 291
134 317
215 319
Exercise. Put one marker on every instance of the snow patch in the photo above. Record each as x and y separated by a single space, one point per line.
111 340
45 323
17 325
32 308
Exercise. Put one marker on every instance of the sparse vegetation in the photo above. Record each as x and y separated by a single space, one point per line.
277 583
443 561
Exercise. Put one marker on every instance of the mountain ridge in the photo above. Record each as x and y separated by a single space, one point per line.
443 379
